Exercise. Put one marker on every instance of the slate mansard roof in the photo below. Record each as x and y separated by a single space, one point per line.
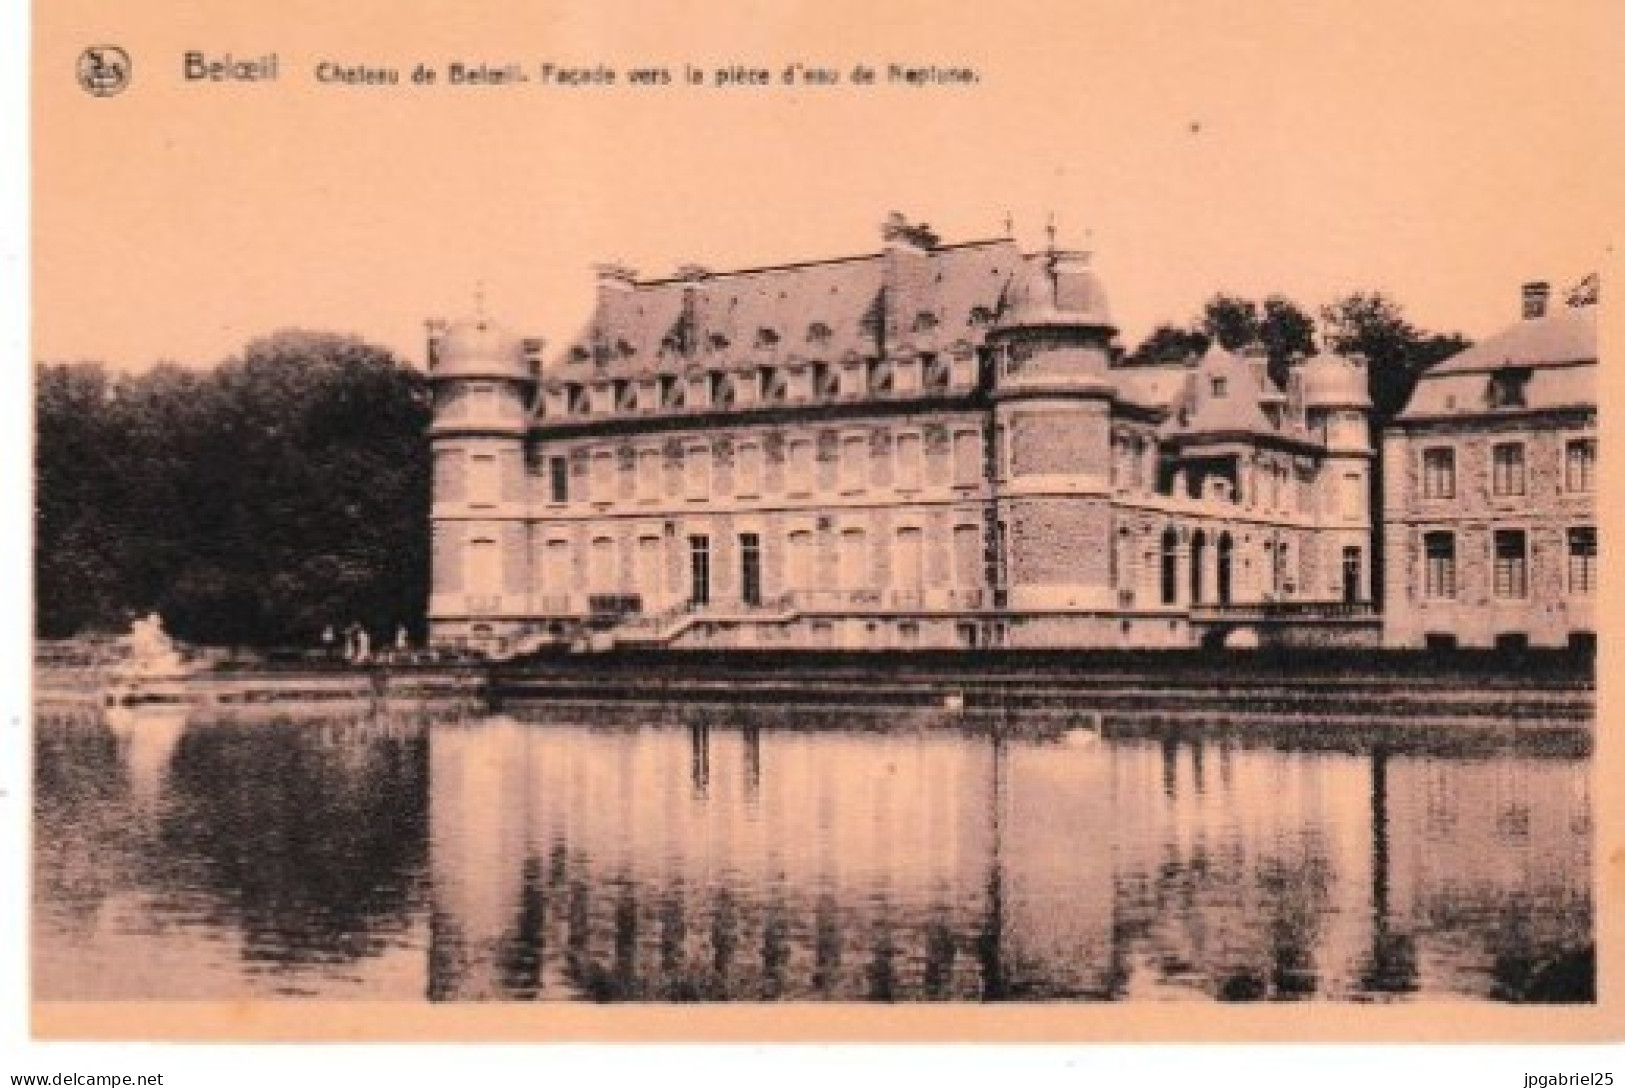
817 310
1556 353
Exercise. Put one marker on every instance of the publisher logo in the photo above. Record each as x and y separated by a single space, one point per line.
104 70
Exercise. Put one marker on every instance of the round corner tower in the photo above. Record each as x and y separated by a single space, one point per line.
483 380
1337 411
1052 408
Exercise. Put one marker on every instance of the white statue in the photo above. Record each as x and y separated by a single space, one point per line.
151 651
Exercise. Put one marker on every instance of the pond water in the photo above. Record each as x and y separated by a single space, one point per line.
751 857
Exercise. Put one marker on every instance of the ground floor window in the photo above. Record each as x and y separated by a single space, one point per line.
1439 575
1436 641
1511 563
1583 559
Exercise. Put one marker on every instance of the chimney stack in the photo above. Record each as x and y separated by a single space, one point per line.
1535 297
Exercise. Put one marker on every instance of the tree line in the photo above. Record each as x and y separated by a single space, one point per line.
1367 323
254 503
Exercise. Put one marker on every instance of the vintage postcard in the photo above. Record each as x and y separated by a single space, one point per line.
745 521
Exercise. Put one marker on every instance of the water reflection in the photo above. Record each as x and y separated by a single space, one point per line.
936 866
739 858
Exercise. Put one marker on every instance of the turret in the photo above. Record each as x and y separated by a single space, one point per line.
1052 397
1337 410
484 382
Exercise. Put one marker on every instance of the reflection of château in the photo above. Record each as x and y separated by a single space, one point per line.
660 863
927 446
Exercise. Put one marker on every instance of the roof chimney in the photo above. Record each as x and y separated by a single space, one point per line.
1535 297
615 277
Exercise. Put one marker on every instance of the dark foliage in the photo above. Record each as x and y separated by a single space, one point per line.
253 504
1367 323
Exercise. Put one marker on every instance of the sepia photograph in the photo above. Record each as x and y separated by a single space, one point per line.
758 522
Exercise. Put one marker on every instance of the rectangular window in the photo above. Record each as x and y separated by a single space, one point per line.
1583 560
697 472
799 565
1579 465
801 466
648 475
970 566
967 459
854 463
750 569
1511 563
750 470
1439 473
908 562
1440 558
602 574
699 570
558 475
910 462
648 571
603 476
854 560
1506 465
483 481
556 572
937 373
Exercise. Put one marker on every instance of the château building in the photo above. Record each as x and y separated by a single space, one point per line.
929 446
1490 489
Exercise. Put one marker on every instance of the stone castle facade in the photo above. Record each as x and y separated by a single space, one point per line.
1490 506
927 446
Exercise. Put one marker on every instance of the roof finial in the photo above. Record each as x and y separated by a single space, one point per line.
479 299
1049 230
1009 225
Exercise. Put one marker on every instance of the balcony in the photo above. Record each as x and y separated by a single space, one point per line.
1284 611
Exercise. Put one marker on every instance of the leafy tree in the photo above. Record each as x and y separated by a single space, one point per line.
1287 334
1230 320
1167 344
252 504
1396 352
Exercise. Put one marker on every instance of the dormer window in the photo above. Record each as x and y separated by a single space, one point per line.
818 333
936 373
766 339
671 391
1510 388
925 321
826 382
980 317
575 399
718 342
626 396
580 354
624 349
880 376
1220 387
771 386
722 390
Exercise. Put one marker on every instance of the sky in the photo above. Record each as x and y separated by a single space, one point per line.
1444 153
